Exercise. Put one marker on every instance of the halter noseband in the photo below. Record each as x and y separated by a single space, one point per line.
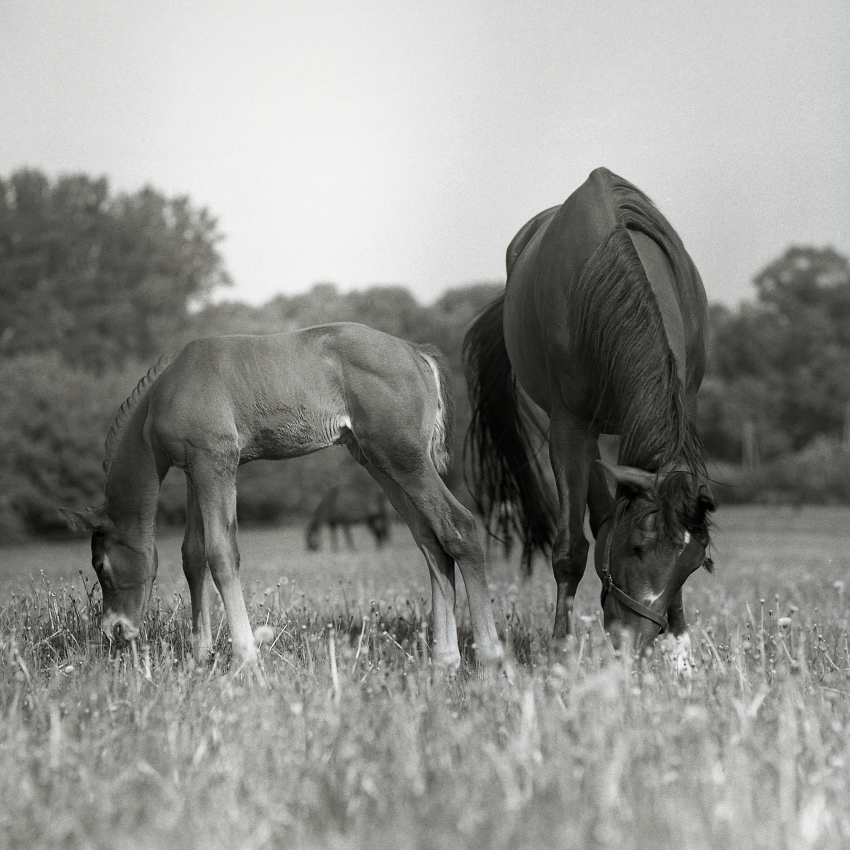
608 585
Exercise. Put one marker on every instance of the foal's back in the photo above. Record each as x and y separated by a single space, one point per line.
285 395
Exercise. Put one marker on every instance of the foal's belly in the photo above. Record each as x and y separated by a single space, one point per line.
292 433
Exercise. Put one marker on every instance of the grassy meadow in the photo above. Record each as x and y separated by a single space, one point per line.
355 745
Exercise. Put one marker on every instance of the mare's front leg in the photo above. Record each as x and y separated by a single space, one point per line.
195 570
572 450
214 481
679 640
346 530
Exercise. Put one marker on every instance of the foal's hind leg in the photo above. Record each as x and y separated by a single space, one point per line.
455 531
454 526
571 451
195 570
214 480
444 652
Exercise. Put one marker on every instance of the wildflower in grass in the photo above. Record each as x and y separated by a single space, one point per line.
263 634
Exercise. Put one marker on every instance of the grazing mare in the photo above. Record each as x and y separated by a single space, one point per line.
601 326
344 507
228 400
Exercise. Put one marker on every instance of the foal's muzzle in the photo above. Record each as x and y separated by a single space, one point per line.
119 629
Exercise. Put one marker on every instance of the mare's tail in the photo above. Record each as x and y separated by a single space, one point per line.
441 435
503 443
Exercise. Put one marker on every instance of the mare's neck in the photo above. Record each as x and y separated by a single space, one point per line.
133 485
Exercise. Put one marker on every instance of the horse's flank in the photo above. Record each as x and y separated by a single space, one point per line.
614 327
440 446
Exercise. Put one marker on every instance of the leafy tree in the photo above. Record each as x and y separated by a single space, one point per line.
784 360
53 419
98 278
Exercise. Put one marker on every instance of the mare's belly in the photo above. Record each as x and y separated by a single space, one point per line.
524 338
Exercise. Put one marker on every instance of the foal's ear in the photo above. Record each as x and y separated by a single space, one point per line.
633 479
89 520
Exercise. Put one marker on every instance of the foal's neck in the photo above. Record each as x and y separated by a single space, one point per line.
133 485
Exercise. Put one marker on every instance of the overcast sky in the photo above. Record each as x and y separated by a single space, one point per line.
406 142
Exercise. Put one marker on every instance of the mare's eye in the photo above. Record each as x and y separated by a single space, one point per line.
635 540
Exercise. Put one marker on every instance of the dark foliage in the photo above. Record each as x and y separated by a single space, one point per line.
780 366
100 279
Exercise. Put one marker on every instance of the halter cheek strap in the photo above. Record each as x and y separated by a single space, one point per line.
621 596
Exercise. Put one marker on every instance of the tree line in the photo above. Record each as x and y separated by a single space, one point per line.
95 286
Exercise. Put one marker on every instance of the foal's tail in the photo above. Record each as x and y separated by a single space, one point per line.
503 442
441 435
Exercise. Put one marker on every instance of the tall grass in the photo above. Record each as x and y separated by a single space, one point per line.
355 744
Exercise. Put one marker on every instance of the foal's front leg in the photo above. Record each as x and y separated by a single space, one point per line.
214 480
195 570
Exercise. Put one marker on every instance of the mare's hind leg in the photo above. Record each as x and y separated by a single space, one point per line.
444 651
214 480
346 530
571 451
195 570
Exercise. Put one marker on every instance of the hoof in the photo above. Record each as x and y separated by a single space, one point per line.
559 649
678 651
442 673
251 672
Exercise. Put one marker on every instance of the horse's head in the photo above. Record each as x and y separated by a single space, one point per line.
125 570
657 536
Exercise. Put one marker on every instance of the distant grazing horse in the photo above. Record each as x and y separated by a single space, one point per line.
602 326
344 507
229 400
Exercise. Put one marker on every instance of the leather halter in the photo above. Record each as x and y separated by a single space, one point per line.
608 585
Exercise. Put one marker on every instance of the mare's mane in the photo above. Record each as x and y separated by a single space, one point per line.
618 323
113 436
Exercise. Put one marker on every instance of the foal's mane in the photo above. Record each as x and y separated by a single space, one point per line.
113 436
618 325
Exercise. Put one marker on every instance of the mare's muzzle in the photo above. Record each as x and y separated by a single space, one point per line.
609 586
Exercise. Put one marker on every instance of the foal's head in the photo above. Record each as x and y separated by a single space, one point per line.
657 536
125 571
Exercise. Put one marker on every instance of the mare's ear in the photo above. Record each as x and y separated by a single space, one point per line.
705 498
633 479
88 520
